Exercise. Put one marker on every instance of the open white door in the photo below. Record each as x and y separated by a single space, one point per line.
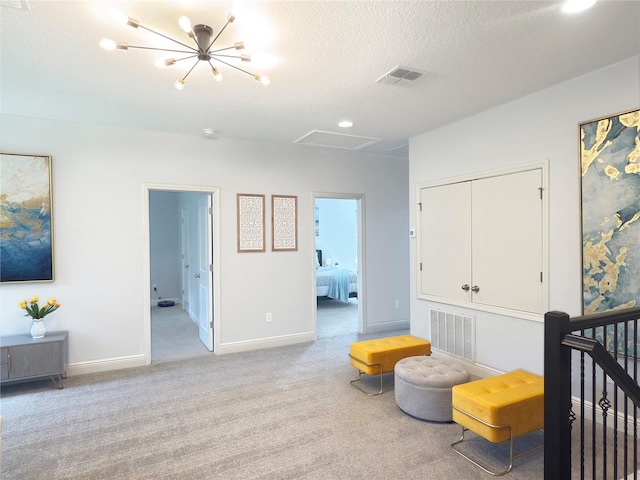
186 260
204 271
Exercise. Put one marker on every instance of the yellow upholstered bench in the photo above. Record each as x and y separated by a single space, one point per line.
500 408
380 355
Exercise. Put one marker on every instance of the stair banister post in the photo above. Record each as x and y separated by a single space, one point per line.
557 397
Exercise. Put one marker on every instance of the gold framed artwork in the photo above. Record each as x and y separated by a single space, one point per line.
26 218
284 223
251 236
610 207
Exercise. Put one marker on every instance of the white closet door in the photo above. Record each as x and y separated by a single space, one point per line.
507 241
445 241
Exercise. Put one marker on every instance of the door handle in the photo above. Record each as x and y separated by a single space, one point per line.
475 289
197 275
466 287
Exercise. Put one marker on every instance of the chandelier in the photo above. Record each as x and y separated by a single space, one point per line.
204 50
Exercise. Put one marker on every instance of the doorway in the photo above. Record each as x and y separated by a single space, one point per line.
338 244
181 273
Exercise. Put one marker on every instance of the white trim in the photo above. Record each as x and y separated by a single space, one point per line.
261 343
146 259
588 413
387 326
542 165
475 369
362 268
105 365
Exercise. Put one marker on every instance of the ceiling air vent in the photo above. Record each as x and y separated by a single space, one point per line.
319 138
399 73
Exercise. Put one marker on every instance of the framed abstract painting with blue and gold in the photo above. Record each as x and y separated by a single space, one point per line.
26 219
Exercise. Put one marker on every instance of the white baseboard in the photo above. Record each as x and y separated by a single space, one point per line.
387 326
475 369
588 414
248 345
105 365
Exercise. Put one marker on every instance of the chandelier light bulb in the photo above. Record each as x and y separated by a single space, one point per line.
185 24
107 44
119 17
262 79
574 6
216 74
237 10
203 51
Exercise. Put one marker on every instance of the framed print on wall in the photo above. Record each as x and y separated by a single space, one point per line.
250 222
610 201
26 218
284 223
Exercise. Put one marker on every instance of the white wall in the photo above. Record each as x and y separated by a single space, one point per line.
164 245
536 127
98 177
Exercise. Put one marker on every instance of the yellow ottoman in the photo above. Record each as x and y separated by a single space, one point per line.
500 408
380 355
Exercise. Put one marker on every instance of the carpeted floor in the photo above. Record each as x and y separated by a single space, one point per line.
281 413
337 318
174 336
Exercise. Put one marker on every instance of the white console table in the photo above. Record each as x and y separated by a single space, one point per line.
25 358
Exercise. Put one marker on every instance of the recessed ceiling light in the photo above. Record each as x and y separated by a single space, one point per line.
573 6
345 124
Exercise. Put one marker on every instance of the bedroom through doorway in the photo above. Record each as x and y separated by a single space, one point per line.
338 259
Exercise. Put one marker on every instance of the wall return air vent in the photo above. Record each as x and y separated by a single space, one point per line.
397 74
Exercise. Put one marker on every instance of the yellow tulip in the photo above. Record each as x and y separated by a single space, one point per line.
33 300
52 302
23 304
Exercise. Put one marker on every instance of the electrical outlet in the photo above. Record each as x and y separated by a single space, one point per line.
269 318
155 287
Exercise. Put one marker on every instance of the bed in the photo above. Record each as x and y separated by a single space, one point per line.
336 283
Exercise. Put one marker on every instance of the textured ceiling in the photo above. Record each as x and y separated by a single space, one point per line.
473 55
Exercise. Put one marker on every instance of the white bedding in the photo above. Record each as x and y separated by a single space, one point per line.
323 277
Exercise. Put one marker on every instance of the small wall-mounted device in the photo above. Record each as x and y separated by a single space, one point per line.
412 233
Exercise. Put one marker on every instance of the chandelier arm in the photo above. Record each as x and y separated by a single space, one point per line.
185 58
164 49
190 70
168 38
219 33
233 66
216 55
212 52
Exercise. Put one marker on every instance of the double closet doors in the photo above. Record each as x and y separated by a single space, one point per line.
481 242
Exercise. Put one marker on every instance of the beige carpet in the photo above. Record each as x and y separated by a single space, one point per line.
337 318
281 413
174 335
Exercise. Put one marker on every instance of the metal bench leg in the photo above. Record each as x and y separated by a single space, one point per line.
511 455
356 382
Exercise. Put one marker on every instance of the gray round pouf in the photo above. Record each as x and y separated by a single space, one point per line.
423 386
